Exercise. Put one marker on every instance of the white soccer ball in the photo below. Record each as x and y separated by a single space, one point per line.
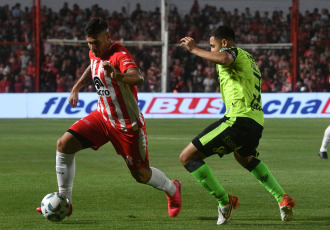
55 206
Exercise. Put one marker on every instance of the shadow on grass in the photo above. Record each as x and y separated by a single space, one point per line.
72 222
208 218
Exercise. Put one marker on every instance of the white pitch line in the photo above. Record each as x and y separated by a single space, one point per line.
168 138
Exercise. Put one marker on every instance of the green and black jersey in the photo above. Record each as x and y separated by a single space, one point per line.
240 85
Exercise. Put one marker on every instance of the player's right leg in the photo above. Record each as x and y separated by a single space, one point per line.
67 146
325 142
85 133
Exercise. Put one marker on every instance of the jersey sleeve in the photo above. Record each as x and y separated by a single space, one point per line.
231 50
124 61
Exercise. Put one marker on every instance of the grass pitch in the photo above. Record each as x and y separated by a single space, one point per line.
105 196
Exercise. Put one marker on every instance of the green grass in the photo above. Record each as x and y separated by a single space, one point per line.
105 196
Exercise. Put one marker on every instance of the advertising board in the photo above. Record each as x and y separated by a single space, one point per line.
158 105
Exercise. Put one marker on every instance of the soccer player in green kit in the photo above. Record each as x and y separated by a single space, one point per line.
239 130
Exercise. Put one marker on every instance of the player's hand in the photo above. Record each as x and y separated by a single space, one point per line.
109 70
189 43
73 99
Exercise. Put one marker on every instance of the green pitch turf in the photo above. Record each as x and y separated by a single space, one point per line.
105 196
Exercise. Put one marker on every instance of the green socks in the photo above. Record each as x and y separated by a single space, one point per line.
265 177
206 178
203 174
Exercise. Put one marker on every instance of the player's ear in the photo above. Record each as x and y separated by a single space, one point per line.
108 35
224 42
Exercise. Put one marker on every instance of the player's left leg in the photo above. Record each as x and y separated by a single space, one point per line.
157 179
261 172
246 156
132 146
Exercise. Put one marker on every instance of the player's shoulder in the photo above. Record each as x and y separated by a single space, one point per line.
232 50
118 49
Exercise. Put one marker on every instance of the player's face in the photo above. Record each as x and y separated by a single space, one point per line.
215 44
99 44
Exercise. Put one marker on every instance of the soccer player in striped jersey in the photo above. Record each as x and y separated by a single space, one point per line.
117 118
239 130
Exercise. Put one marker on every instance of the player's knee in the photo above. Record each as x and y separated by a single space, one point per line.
142 176
143 179
60 146
183 158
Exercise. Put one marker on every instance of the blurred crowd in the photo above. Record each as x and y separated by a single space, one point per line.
61 66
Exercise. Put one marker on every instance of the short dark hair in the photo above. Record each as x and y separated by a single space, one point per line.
95 26
223 32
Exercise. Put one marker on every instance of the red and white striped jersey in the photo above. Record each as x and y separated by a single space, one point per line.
117 101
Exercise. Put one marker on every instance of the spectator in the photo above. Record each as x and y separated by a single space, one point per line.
5 84
18 84
209 84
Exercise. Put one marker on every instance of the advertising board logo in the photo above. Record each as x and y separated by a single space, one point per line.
284 106
57 105
291 106
186 105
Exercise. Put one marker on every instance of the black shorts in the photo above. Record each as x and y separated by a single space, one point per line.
238 134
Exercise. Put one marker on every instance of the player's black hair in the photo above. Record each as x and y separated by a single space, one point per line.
223 32
95 26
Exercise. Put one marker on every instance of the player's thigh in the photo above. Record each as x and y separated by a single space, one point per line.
224 136
209 141
91 131
132 146
248 134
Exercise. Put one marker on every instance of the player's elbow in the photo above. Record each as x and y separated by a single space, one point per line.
140 80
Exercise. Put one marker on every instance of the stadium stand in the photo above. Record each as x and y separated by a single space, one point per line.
62 66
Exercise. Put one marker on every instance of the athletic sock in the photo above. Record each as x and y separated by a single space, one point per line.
203 174
260 171
159 181
326 140
65 171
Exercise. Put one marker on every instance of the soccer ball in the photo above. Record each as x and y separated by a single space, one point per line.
55 206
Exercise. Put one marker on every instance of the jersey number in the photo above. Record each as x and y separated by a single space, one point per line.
256 102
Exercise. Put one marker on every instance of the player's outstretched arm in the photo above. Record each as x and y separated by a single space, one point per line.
132 76
85 79
222 58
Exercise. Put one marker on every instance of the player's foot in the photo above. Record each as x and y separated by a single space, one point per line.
174 201
323 155
38 210
69 213
286 207
225 212
70 210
